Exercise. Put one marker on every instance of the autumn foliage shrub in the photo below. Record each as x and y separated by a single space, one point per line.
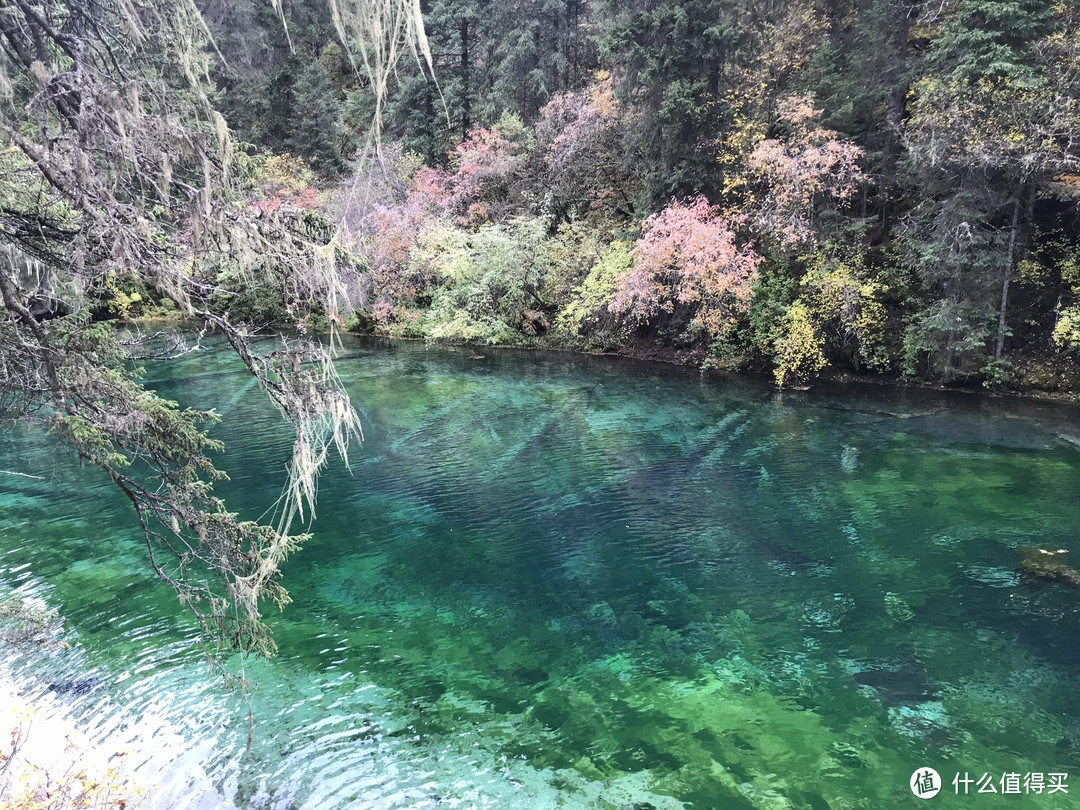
799 349
795 175
847 306
480 169
687 254
403 277
580 137
398 282
278 180
48 771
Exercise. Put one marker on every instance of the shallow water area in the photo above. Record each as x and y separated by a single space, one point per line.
564 581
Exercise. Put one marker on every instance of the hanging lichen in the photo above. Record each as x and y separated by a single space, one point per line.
116 170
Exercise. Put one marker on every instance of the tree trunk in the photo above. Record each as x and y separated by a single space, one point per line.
894 111
466 107
999 348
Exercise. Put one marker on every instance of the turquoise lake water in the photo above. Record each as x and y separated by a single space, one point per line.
562 581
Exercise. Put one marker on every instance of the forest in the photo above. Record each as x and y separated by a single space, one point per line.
879 187
875 187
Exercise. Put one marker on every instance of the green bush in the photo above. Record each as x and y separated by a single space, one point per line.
487 281
585 316
948 341
997 373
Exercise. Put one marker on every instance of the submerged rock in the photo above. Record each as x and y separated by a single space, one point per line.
927 721
849 458
1042 565
993 576
76 687
790 561
904 686
897 607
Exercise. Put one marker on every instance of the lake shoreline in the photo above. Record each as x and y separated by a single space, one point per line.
694 359
1062 368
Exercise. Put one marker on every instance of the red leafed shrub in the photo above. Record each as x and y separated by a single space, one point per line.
687 254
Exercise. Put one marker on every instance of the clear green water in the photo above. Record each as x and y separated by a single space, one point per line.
556 581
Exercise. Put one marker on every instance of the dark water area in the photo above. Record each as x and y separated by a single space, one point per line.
563 581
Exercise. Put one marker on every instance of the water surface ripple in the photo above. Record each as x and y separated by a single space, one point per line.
555 581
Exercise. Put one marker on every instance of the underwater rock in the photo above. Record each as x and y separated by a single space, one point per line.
827 615
905 686
790 561
847 755
77 687
927 721
849 458
1041 565
993 576
897 608
602 613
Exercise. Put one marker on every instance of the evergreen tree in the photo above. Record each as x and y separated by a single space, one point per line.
674 63
977 150
312 124
490 58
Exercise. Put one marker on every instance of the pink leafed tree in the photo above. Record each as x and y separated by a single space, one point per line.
396 231
583 155
796 175
479 167
687 254
465 194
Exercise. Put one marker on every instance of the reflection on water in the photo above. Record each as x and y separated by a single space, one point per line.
581 582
